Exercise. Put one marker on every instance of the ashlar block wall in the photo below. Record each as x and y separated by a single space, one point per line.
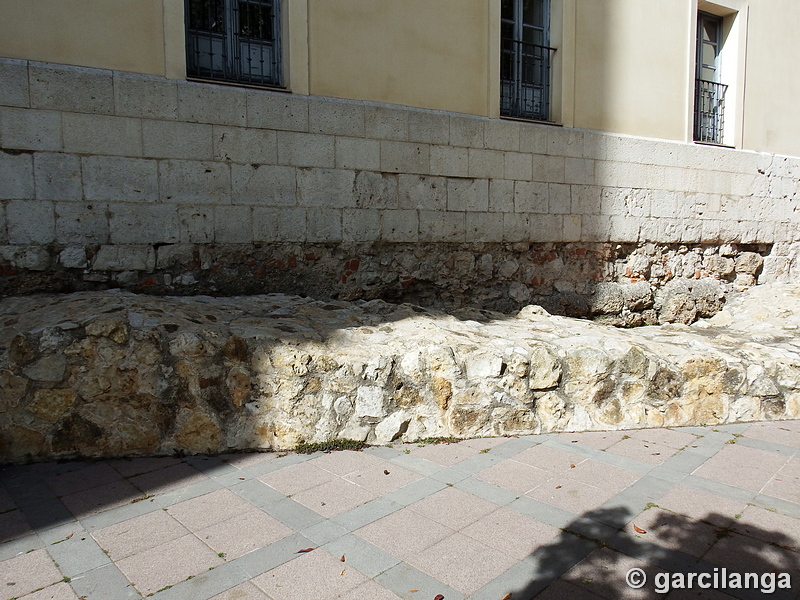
115 179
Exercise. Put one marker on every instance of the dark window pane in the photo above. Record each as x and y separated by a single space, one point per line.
532 13
207 15
507 11
255 20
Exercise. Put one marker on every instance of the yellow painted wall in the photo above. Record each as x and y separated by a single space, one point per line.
126 35
413 52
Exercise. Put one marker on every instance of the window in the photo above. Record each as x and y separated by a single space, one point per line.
709 93
525 59
233 40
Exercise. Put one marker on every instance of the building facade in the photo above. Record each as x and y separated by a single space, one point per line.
454 152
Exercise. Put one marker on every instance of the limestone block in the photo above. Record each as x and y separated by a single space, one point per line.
143 224
16 176
429 127
518 166
30 222
596 229
392 427
282 224
270 110
545 369
546 228
176 139
358 153
585 199
15 89
57 176
421 192
198 432
436 226
607 299
68 88
306 149
484 227
124 258
530 197
501 195
548 168
26 129
637 296
466 131
174 255
519 292
405 157
194 182
483 365
118 179
517 227
49 368
449 161
533 138
324 225
336 117
749 263
80 223
564 142
399 226
196 224
471 195
501 135
370 402
3 227
489 164
624 229
145 96
560 201
232 224
327 188
386 122
95 134
572 227
209 103
32 258
579 170
361 225
266 185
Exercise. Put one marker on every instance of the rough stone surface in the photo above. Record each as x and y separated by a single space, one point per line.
119 374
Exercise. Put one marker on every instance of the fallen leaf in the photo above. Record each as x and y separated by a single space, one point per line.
572 466
574 441
558 487
413 591
385 472
304 550
656 453
342 573
638 529
342 559
69 536
507 596
438 597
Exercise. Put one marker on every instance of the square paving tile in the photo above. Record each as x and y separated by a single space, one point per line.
574 496
369 590
13 524
515 476
453 508
444 454
701 505
6 502
775 432
248 459
462 563
244 591
59 591
26 573
383 477
404 533
484 442
668 437
209 509
297 478
130 467
768 526
344 461
168 478
168 564
138 534
598 440
549 459
315 574
785 483
601 475
511 533
676 532
334 497
88 502
244 533
603 573
561 589
652 453
742 467
745 554
86 478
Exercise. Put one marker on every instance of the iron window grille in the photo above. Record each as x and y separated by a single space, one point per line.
709 94
525 59
234 40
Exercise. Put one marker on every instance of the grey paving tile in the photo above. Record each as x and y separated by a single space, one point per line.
362 555
213 466
449 476
522 576
591 527
49 513
416 464
324 532
122 513
187 493
768 446
20 546
382 452
257 493
670 560
486 490
516 445
567 446
721 489
366 513
206 584
415 491
403 578
260 561
78 554
292 514
791 509
685 462
733 427
668 474
477 463
104 583
542 511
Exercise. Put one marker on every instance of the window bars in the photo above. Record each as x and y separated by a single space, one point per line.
709 111
525 80
233 40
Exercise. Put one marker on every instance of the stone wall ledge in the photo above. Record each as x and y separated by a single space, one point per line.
105 374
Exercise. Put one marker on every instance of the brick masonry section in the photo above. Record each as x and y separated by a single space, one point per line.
127 160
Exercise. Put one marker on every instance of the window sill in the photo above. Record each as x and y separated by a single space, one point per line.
713 144
243 84
535 121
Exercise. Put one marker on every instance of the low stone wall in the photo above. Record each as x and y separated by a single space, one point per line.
118 374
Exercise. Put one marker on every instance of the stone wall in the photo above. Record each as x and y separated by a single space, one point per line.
114 179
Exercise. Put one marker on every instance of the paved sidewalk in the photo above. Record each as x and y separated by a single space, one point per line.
549 516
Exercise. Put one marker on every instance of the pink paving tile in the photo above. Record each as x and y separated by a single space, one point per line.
603 573
674 531
511 533
168 564
26 573
574 496
745 554
99 499
130 467
334 497
725 469
209 509
138 534
785 484
244 591
594 439
168 478
297 478
462 563
775 432
244 533
484 442
382 478
444 454
248 459
369 590
83 479
768 526
561 589
701 506
647 452
734 456
601 475
404 533
316 574
6 503
59 591
668 437
13 524
514 476
453 508
549 459
344 461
